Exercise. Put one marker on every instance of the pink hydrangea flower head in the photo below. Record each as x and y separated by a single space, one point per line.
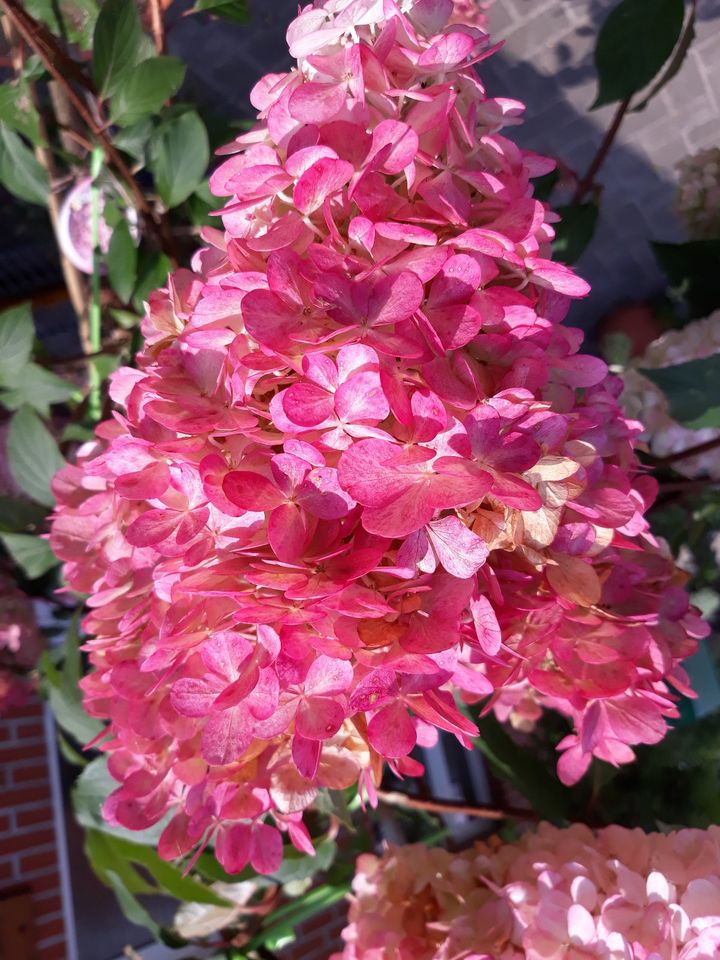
20 645
360 465
569 894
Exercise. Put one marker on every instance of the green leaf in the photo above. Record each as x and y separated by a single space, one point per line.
299 866
282 929
575 230
131 906
146 89
179 157
526 772
31 554
169 877
153 268
121 261
675 62
17 110
20 171
634 42
200 204
17 332
692 270
71 20
17 516
91 789
236 10
103 857
693 391
134 139
33 456
334 803
117 43
38 388
126 319
64 693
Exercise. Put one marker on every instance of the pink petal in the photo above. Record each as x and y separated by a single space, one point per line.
556 277
192 697
287 531
446 52
224 652
328 675
266 849
391 731
316 102
232 847
226 736
152 527
486 624
174 841
146 484
395 298
251 491
361 397
322 180
458 549
306 756
306 404
394 146
322 496
319 718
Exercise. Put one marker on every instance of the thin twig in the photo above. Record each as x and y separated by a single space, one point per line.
688 452
157 26
26 27
588 181
436 805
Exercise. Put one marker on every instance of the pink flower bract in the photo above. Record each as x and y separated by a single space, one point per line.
360 465
555 894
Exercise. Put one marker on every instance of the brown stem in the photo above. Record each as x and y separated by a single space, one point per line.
26 28
397 799
588 181
157 26
688 452
74 280
687 486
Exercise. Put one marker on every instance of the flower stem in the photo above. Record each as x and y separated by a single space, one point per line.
588 181
437 805
693 451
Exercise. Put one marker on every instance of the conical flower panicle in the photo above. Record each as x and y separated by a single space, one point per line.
360 465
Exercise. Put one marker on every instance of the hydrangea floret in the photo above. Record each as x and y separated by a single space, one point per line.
555 894
20 646
646 402
360 466
698 193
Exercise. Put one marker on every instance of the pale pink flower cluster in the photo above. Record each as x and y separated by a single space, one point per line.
646 402
20 645
470 12
555 894
360 464
698 193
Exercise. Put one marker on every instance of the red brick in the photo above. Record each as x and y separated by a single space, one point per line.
28 841
4 824
32 710
50 880
45 905
6 871
28 729
4 732
26 818
35 773
21 752
319 922
36 861
50 928
12 799
57 952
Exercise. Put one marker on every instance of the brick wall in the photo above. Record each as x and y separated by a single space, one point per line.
319 936
29 863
